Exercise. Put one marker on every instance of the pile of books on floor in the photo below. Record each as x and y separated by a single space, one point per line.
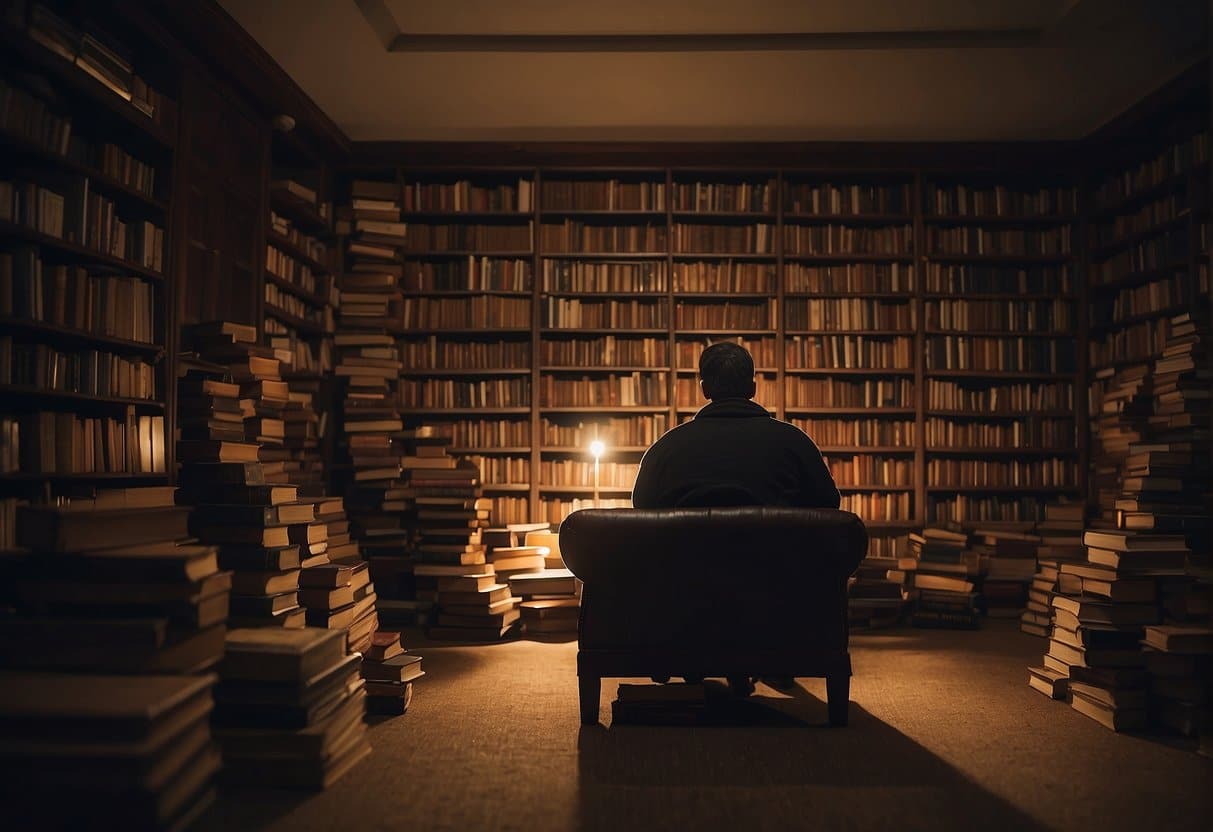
453 563
551 597
1121 406
304 424
673 704
1060 541
289 708
873 598
389 671
104 694
1008 565
938 579
340 596
234 504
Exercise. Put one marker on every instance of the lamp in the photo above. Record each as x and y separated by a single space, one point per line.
597 449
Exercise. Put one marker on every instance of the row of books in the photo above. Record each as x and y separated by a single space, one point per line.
457 393
614 431
464 196
83 218
1169 250
466 313
1012 316
859 278
283 265
48 442
432 351
609 194
689 394
555 509
963 472
88 372
728 277
870 469
578 472
999 201
993 399
623 390
742 239
1001 241
614 276
576 313
850 198
1152 298
284 301
421 237
956 279
962 352
725 197
848 352
849 313
845 239
1011 433
805 392
1177 159
1125 343
737 315
578 236
604 351
1149 217
858 432
966 509
113 306
502 470
469 274
888 507
302 356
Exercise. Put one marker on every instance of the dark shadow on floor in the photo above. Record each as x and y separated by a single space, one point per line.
773 763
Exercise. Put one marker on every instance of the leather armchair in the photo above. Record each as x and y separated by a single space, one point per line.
713 592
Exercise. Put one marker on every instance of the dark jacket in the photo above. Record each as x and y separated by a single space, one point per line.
733 453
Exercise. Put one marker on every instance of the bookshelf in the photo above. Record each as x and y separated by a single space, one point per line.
89 135
300 293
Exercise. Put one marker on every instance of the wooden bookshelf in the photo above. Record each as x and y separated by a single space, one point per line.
94 299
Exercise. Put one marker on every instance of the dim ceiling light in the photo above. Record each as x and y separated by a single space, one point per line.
597 448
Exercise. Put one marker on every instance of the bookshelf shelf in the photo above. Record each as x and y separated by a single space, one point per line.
847 219
619 449
37 58
1165 312
504 450
296 252
1169 184
1100 253
603 255
296 323
302 294
598 368
855 371
456 216
1000 219
425 372
464 293
116 190
608 295
583 489
566 331
299 211
854 450
884 332
1003 489
561 213
900 296
1001 374
460 253
850 411
1009 258
879 488
693 371
848 257
507 488
19 394
1139 278
1017 451
999 333
603 409
121 345
74 251
103 476
1002 414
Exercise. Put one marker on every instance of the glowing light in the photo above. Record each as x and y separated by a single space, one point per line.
597 448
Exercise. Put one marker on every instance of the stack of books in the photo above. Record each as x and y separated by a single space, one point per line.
131 752
255 522
343 548
551 600
289 708
340 596
873 599
1120 408
1008 565
303 426
939 579
674 704
108 587
1179 660
389 672
1098 633
1037 617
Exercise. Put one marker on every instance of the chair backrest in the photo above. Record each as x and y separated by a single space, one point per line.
712 575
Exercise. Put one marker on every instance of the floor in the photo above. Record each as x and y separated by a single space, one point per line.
945 734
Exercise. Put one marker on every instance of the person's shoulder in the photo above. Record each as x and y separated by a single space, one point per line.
790 432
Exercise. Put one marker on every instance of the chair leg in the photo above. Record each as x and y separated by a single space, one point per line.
838 694
590 692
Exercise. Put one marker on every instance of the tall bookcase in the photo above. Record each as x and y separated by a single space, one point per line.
549 306
89 137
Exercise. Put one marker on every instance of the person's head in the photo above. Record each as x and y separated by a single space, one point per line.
726 371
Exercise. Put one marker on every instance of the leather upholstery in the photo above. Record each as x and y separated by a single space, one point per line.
716 582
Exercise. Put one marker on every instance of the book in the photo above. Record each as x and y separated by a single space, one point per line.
280 655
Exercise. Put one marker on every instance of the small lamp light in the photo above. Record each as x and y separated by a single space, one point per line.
597 449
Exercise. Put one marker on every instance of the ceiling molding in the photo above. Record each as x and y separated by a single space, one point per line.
394 39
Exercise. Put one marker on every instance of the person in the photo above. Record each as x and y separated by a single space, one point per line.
733 453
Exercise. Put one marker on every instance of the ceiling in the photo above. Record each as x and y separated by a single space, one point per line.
726 70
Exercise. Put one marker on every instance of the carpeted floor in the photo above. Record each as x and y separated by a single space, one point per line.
945 734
